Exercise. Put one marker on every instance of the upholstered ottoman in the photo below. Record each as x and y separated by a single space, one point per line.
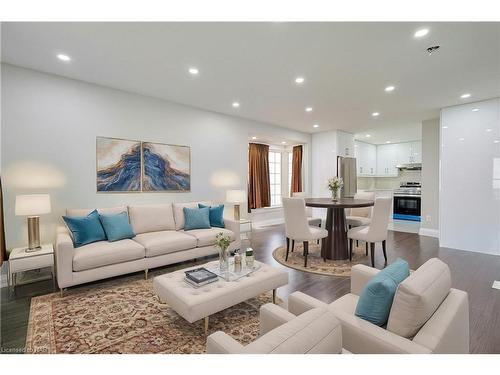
194 304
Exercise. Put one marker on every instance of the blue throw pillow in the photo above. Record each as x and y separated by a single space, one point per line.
375 301
117 226
216 214
86 229
196 218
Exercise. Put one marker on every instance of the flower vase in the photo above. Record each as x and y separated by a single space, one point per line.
223 260
335 195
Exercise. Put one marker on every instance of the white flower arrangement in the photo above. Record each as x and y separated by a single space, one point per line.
335 183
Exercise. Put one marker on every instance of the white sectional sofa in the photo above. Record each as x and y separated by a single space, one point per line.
160 240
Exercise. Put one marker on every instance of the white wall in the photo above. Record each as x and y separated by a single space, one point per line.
430 178
469 193
49 134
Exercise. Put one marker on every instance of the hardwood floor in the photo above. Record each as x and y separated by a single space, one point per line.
472 272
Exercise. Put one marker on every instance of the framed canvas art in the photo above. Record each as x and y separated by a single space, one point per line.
166 167
118 165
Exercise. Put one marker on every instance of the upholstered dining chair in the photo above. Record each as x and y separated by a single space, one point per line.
314 221
297 227
376 231
357 217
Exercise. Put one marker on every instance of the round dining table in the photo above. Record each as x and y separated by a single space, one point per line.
334 246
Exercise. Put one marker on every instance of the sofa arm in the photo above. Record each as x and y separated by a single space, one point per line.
360 275
272 316
64 257
362 337
234 226
447 331
299 303
221 343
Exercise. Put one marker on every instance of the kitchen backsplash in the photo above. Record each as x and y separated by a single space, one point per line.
369 183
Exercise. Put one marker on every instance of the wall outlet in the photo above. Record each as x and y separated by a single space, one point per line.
428 218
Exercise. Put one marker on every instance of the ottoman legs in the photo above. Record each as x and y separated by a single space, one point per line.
274 296
206 325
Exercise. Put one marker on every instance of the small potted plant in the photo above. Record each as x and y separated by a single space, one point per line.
335 184
222 242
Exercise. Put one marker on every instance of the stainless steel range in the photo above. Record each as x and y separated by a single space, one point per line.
407 201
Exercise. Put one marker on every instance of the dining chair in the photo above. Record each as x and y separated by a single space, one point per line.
314 221
297 227
376 231
357 217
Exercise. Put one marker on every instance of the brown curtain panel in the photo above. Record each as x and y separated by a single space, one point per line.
3 250
296 170
259 192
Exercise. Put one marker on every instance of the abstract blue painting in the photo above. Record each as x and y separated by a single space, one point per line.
118 165
166 167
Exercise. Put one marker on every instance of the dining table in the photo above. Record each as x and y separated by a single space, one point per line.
334 246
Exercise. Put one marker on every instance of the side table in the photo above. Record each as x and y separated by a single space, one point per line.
245 229
20 260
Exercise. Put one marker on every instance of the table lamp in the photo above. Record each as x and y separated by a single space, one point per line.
32 206
236 197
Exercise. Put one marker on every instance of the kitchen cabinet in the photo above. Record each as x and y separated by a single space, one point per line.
366 158
387 159
416 149
345 144
408 152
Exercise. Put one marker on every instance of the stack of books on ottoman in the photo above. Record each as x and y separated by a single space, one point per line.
200 276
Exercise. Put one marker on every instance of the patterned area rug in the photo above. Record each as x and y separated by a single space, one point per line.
316 264
126 317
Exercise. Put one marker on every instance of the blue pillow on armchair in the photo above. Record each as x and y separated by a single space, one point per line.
86 229
375 301
216 215
117 226
196 218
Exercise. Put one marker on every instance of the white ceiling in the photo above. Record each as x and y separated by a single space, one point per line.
346 66
393 134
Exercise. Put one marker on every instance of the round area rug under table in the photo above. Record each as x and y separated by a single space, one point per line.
316 264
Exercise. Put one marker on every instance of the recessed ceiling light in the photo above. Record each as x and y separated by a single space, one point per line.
315 126
236 104
193 71
283 143
63 57
475 109
375 114
389 88
300 80
309 109
495 141
387 141
445 127
461 139
368 136
420 33
465 96
254 138
489 130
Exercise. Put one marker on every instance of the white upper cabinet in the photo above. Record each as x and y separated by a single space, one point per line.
409 152
387 159
416 152
345 144
366 158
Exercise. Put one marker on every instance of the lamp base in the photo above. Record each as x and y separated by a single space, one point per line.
35 249
33 233
237 212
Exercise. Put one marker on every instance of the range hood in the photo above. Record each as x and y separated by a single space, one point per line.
410 167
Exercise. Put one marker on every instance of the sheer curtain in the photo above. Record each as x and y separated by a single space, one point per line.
296 185
259 192
3 250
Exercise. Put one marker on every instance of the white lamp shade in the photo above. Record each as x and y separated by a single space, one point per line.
32 204
236 196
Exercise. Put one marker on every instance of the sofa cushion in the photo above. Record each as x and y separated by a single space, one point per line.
196 218
418 297
104 253
101 211
165 242
179 212
376 297
315 331
117 226
206 237
85 229
151 218
216 215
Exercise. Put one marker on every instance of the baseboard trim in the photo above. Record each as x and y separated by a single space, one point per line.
429 232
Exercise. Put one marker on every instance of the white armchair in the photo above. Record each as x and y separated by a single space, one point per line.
427 316
317 331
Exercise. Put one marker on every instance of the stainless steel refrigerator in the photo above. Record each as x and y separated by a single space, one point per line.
346 168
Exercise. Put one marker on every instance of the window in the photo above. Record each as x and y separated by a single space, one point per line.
275 177
290 158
